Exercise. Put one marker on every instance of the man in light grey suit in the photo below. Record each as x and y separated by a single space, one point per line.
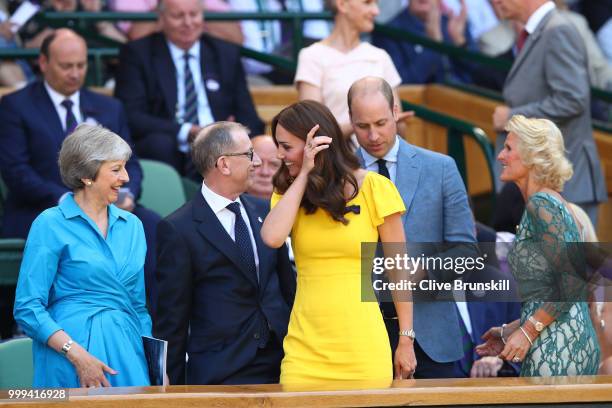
437 211
549 79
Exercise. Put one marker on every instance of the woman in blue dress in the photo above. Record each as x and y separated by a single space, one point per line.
554 335
81 294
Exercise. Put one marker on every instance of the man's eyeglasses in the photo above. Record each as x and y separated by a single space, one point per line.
248 154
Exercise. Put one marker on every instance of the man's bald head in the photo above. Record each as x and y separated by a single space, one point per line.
368 87
62 36
63 61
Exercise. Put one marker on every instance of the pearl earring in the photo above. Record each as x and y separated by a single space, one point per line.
89 183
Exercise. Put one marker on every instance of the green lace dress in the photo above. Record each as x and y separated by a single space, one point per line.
545 268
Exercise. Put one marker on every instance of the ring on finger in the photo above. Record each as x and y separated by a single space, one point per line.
516 359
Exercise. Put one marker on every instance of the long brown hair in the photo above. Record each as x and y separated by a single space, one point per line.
334 166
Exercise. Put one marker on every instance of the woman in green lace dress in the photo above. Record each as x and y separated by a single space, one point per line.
554 335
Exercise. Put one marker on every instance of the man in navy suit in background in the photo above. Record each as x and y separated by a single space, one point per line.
225 296
176 81
36 119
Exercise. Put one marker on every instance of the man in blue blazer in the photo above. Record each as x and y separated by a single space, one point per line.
225 296
437 212
168 100
36 119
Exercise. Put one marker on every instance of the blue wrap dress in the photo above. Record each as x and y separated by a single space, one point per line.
73 279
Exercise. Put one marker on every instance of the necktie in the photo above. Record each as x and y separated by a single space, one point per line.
388 308
243 239
522 38
466 362
71 122
382 168
191 96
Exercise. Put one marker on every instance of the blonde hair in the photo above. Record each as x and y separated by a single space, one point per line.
542 149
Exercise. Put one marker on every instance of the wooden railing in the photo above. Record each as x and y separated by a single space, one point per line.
511 392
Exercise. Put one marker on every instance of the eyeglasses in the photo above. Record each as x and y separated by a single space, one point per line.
248 154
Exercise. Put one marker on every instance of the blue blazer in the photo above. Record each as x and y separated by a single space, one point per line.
31 136
146 83
437 210
209 306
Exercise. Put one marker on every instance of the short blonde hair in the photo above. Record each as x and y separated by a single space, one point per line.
542 149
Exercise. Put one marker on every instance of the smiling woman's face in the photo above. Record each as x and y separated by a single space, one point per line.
111 176
290 150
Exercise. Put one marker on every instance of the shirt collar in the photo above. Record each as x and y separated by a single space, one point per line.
69 207
178 53
215 201
57 98
537 16
391 155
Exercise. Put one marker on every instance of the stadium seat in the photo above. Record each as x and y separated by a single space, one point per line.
190 187
162 187
16 365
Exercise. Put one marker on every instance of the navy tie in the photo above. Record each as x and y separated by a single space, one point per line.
71 122
191 96
388 307
382 168
243 239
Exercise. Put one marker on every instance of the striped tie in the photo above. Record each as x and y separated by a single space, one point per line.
71 122
466 362
191 96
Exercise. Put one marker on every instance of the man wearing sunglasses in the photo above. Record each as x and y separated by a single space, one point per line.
224 297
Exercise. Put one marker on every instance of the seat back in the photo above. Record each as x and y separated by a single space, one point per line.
16 363
162 187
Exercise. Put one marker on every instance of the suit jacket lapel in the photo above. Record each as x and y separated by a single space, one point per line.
212 230
256 223
88 110
407 174
166 73
49 115
211 75
529 45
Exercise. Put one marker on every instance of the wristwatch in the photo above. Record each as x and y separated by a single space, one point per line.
539 326
67 346
408 333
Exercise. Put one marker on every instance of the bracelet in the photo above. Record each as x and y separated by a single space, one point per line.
501 334
66 347
526 335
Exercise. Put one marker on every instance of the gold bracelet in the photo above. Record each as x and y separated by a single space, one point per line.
526 335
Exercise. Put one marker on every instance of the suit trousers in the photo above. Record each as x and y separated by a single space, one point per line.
265 367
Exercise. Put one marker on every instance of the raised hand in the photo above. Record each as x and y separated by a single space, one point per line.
493 344
314 144
456 25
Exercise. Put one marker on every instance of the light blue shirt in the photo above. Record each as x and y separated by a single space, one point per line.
74 279
390 157
205 116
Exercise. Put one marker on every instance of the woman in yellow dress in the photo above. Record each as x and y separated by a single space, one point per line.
330 206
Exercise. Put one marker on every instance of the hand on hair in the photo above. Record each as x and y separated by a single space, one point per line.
314 144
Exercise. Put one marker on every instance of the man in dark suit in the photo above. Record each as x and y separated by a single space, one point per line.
225 296
35 121
168 99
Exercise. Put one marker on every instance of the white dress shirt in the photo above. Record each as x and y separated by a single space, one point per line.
534 20
390 157
57 99
227 218
205 116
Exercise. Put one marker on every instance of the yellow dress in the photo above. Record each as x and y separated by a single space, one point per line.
333 335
